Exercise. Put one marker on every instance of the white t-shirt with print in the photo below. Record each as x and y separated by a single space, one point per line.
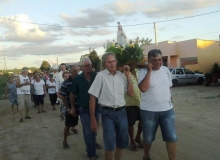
39 87
158 96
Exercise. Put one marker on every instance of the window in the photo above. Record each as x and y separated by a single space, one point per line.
179 71
188 71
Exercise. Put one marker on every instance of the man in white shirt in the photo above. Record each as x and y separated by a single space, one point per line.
156 105
109 87
23 90
59 79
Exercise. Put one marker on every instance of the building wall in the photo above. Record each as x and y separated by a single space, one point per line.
187 49
208 54
194 54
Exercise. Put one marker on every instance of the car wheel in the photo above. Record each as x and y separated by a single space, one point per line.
200 81
175 82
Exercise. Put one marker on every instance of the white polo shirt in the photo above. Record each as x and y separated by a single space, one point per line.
158 96
109 89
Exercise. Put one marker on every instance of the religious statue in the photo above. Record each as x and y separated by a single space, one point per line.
121 36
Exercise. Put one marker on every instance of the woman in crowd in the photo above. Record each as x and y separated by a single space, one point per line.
40 92
51 86
11 93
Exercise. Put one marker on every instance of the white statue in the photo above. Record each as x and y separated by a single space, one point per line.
121 36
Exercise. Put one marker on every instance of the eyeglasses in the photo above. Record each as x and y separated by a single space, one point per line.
87 65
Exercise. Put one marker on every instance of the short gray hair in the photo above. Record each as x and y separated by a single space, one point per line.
154 53
104 57
85 59
24 69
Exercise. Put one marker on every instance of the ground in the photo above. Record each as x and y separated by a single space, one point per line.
197 112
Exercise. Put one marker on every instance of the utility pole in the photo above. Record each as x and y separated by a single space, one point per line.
155 33
4 70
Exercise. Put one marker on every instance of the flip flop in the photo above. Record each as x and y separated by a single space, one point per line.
133 147
139 142
75 131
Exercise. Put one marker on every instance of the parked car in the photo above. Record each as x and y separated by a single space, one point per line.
186 76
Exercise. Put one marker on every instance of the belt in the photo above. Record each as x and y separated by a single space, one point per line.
113 109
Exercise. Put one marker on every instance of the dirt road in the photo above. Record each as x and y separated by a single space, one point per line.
197 119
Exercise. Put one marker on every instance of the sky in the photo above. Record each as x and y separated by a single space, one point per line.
33 31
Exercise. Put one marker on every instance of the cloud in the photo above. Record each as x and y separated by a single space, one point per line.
24 32
122 7
90 18
49 49
159 8
95 32
177 37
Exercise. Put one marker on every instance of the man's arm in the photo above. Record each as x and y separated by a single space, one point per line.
18 85
145 83
63 98
72 101
94 125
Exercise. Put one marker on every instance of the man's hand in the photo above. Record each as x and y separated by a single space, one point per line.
73 112
94 126
27 83
149 66
127 71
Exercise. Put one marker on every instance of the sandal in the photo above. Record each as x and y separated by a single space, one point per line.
43 111
139 142
133 147
75 131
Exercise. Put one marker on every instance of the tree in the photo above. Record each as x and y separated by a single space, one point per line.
132 54
94 59
45 66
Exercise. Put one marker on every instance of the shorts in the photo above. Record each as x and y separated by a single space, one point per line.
24 101
71 121
115 128
151 121
133 114
39 99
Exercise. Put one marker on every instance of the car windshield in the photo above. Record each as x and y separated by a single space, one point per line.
170 69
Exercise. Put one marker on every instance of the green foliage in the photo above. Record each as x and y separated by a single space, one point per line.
94 58
132 54
3 81
216 69
45 66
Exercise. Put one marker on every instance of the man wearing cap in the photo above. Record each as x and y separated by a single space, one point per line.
23 90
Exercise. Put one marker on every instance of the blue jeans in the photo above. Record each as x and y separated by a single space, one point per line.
151 121
89 136
115 128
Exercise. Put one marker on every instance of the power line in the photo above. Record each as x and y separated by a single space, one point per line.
131 25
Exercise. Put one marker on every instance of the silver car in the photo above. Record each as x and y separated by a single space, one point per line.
186 76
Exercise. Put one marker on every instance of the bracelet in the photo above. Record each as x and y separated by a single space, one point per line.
128 81
68 109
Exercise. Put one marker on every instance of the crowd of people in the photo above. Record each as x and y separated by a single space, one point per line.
120 98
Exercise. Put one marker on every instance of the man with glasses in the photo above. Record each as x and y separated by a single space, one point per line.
156 104
80 87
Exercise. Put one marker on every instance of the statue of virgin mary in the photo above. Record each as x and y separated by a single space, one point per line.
121 36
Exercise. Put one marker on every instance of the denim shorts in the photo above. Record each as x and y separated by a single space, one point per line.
151 121
115 129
